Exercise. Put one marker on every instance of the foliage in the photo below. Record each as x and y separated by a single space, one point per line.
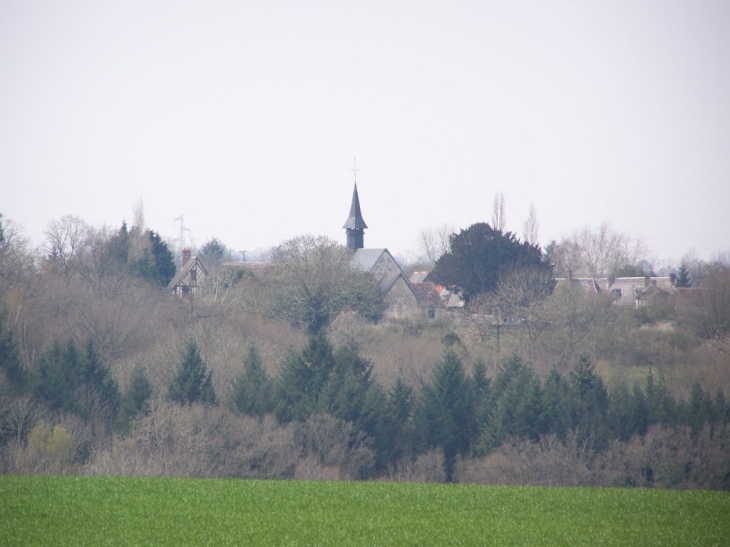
193 382
316 280
479 255
136 400
69 381
213 253
684 278
12 372
706 311
448 409
252 391
77 511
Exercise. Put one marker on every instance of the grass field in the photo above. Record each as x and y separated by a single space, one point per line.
132 511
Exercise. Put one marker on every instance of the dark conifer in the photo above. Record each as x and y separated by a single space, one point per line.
252 391
136 400
193 383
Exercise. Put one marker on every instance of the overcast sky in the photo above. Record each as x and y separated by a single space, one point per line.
245 116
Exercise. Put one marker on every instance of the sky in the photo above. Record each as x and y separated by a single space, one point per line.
245 117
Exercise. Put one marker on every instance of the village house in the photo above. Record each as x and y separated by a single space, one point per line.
190 277
628 291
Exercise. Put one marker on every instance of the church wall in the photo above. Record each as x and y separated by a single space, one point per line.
401 301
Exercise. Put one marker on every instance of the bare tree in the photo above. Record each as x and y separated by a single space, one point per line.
598 253
434 242
499 220
530 227
66 241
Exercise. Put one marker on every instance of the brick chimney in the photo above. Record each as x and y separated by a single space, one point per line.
185 256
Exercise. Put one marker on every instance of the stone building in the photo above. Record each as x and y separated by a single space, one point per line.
400 297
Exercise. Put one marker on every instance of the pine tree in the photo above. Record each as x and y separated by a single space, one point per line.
556 417
136 400
684 278
252 390
193 383
60 373
590 402
448 404
394 438
100 393
303 378
12 371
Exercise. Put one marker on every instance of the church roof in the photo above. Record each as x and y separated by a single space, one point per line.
365 259
355 220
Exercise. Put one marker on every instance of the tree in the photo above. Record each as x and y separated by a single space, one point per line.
448 405
316 280
433 243
136 399
252 391
531 227
214 253
12 371
156 263
706 311
684 279
590 402
479 255
303 377
71 381
597 253
66 239
499 219
193 383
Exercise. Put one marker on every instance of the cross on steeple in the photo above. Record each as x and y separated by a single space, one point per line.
355 225
354 169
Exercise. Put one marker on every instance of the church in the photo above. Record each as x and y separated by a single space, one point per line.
403 298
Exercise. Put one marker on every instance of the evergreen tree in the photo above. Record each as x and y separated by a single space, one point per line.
303 378
515 405
556 406
193 383
699 409
252 392
684 278
661 406
163 258
60 373
136 399
479 254
394 437
590 402
448 405
100 393
12 371
627 413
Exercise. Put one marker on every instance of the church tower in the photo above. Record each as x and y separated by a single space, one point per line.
355 225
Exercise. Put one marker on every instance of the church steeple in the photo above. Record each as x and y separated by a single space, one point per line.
355 225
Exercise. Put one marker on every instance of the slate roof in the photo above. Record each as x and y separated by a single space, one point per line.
355 220
365 259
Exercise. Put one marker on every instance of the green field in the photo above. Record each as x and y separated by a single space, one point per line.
131 511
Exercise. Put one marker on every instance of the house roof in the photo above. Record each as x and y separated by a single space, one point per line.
426 294
192 262
355 220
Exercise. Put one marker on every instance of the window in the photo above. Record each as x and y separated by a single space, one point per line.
617 292
431 313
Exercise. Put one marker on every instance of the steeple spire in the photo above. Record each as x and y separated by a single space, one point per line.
355 225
